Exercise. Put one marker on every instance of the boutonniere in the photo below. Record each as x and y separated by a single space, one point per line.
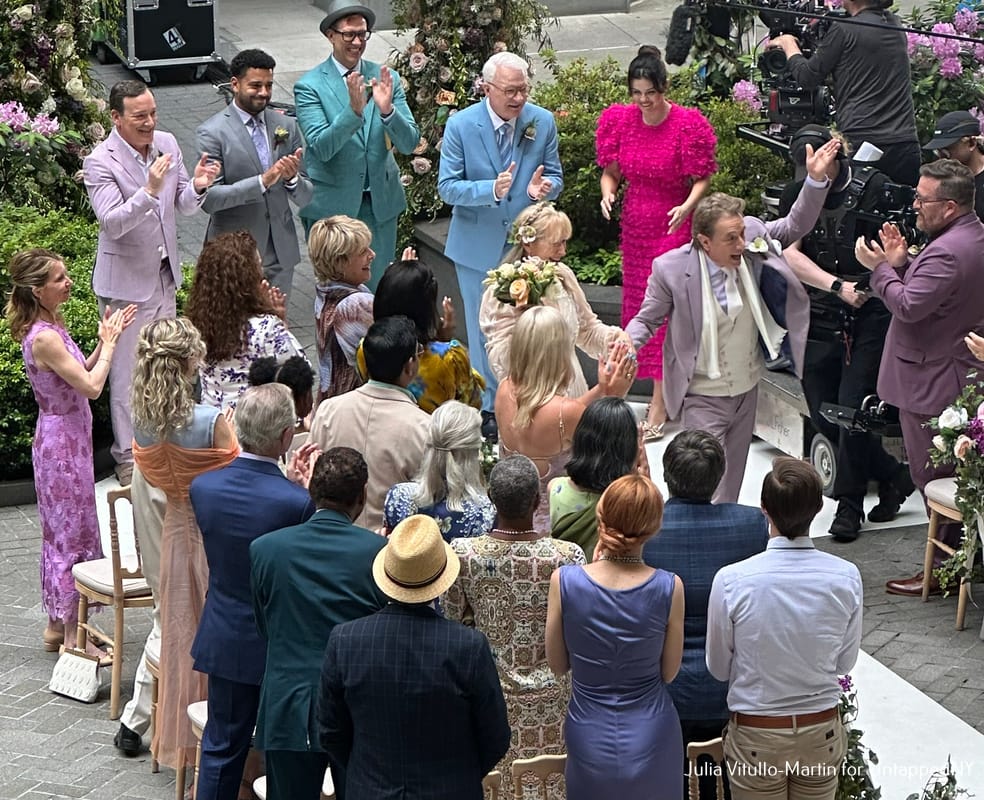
529 132
758 245
280 135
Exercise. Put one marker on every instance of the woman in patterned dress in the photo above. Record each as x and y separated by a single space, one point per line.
665 155
239 315
63 381
501 590
449 487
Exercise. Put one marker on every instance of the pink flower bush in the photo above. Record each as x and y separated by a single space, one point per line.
951 67
14 115
944 48
915 41
747 92
45 125
965 21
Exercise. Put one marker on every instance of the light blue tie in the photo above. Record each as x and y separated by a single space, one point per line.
503 138
260 142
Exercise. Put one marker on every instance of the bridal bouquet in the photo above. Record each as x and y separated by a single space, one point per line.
524 282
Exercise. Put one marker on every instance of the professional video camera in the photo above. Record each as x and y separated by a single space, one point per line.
871 198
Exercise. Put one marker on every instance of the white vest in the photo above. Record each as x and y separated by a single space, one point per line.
740 356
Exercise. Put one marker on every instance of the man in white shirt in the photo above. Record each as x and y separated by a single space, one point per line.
782 626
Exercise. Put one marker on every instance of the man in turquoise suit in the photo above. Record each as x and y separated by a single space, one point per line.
353 112
498 156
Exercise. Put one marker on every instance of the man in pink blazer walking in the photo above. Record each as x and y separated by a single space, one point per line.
136 180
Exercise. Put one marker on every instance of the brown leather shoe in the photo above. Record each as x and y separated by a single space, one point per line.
912 587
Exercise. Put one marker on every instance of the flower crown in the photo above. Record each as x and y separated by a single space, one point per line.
527 233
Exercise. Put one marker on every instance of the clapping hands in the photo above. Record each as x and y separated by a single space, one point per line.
114 322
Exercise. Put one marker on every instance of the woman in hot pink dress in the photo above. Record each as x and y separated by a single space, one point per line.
665 154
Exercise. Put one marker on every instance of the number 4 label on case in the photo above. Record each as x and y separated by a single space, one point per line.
174 39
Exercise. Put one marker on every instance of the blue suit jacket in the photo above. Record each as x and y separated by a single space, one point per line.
233 506
306 580
342 146
411 706
696 540
469 164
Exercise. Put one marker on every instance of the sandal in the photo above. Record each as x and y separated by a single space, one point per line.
653 433
52 640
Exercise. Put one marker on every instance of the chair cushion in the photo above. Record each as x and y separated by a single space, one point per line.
198 713
259 787
943 491
98 576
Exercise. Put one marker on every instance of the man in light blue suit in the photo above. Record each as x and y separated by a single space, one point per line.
352 113
498 156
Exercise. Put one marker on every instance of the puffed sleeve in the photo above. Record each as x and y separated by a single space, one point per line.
496 320
607 135
697 143
593 335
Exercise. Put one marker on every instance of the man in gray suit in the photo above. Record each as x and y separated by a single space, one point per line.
260 154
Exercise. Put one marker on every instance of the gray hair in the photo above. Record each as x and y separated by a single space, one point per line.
451 469
504 59
514 486
712 208
263 413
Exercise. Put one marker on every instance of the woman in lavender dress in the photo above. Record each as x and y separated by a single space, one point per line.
617 625
63 381
240 317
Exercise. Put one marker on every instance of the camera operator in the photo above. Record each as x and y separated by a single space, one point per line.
872 91
844 343
957 135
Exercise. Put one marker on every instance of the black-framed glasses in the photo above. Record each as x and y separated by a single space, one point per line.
513 91
351 36
922 201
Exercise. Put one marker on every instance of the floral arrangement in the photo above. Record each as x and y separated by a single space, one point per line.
488 457
440 71
854 780
524 282
50 116
959 440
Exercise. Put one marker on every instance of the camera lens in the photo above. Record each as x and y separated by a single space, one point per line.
772 61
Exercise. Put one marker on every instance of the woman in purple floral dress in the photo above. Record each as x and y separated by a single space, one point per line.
665 155
240 316
63 380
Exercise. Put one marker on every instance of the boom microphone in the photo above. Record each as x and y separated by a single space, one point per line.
680 36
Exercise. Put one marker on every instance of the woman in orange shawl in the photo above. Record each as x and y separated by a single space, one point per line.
175 440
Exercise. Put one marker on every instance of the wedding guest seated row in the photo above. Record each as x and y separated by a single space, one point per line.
697 539
534 414
607 444
239 315
381 420
501 590
449 485
617 625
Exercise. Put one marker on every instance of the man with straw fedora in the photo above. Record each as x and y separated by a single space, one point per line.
410 702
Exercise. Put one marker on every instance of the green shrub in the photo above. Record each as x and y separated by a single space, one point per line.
75 239
577 95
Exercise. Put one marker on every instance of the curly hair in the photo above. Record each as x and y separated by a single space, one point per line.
629 512
29 269
162 396
539 360
226 292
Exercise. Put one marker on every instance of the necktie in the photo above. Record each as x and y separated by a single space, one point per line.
732 293
260 142
503 138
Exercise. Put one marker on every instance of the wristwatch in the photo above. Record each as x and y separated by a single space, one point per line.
835 287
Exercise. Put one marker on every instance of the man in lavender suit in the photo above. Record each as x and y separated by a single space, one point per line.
727 303
935 300
136 180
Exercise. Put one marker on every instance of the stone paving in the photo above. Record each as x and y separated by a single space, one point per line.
51 747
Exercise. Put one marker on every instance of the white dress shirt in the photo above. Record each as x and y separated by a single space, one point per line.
782 625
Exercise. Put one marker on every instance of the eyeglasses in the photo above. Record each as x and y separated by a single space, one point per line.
513 91
351 36
922 201
420 351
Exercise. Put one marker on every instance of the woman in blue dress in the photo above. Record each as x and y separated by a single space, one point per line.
617 624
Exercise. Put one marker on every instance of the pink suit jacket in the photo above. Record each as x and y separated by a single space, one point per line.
130 220
674 286
935 300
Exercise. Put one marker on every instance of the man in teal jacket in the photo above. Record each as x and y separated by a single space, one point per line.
353 112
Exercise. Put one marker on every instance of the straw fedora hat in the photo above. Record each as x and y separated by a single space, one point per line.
340 9
416 565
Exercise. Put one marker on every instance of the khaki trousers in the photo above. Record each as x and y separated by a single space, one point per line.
786 763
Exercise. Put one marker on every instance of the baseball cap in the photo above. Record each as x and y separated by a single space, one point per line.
952 127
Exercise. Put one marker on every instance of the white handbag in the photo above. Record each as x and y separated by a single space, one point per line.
76 675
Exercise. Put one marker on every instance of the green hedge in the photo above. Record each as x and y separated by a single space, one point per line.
75 239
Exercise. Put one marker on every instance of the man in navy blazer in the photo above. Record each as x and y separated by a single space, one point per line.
696 539
307 579
497 157
410 702
233 506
